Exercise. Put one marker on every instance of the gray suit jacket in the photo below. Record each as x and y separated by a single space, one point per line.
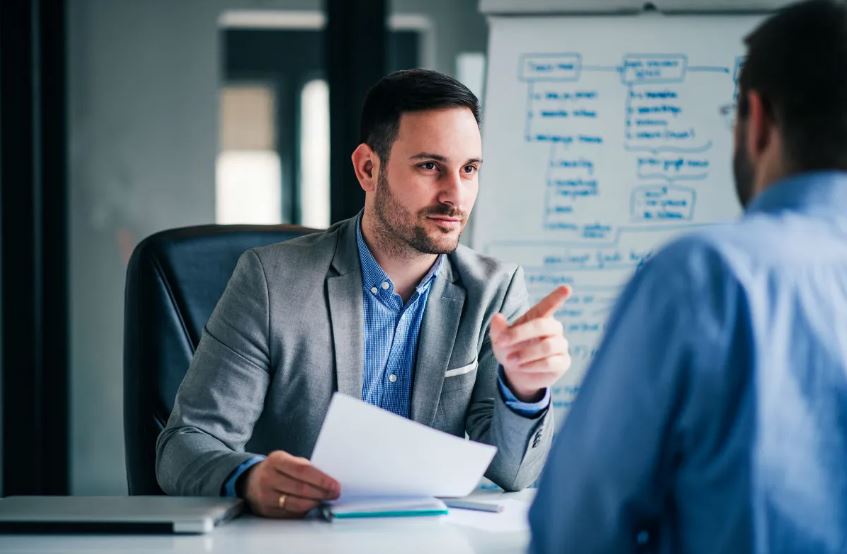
289 331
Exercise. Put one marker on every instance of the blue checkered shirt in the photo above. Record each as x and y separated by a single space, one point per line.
391 339
391 333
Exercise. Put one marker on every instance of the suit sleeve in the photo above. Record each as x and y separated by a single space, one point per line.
223 392
522 442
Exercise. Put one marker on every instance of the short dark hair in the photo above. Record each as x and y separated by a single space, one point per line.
797 61
410 90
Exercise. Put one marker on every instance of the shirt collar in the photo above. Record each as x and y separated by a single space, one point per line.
811 192
372 273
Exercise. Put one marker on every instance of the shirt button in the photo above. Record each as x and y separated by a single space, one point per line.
385 285
374 290
392 378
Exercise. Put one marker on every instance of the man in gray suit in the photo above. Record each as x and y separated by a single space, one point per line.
386 307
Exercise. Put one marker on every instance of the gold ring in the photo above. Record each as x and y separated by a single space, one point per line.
281 501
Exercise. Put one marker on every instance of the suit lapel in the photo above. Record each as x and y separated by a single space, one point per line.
438 334
344 290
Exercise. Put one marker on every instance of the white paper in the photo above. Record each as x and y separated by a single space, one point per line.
372 452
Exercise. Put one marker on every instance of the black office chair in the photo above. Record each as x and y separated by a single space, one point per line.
174 280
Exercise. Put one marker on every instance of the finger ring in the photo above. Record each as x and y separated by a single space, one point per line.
281 501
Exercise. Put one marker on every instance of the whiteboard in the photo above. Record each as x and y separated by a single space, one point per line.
603 140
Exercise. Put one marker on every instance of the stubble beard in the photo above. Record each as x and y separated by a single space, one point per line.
402 232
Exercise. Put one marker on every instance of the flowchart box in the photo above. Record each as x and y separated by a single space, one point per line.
550 67
653 68
663 203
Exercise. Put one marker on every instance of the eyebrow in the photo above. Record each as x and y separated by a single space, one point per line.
428 156
439 157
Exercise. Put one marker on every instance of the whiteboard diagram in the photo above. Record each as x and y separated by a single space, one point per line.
603 140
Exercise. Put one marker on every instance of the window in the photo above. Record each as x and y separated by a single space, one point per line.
314 154
248 173
273 165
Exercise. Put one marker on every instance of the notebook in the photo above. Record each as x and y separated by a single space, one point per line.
384 507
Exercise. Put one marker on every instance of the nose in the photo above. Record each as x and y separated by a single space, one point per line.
450 191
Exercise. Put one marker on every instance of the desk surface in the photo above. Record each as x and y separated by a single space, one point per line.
461 532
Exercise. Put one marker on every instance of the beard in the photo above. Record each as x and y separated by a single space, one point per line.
742 169
406 230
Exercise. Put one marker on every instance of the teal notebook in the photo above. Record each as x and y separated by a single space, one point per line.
357 508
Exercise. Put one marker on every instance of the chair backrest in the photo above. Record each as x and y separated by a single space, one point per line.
174 280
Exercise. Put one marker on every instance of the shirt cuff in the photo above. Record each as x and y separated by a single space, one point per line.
229 485
526 409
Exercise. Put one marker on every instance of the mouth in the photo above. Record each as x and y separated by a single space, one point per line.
446 221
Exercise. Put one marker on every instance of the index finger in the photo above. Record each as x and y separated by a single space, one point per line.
302 469
547 306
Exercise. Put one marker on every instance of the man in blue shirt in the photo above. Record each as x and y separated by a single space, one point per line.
714 415
386 307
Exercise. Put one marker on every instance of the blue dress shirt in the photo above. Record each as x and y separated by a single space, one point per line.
392 328
391 338
714 415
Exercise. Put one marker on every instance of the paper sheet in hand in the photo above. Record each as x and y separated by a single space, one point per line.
372 452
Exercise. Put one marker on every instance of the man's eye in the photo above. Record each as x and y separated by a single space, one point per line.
470 169
429 166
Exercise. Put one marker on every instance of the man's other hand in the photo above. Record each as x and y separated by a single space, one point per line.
283 485
533 350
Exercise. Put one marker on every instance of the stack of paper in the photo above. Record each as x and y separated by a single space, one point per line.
388 465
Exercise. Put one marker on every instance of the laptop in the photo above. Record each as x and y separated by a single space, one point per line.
115 514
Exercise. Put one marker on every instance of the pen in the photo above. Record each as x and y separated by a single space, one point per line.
471 505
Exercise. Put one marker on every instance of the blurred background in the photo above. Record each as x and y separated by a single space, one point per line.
122 118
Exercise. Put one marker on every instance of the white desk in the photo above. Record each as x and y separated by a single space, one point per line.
249 534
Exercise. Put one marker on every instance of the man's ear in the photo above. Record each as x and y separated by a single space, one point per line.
760 126
366 167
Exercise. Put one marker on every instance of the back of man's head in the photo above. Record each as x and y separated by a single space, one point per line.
797 62
410 90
